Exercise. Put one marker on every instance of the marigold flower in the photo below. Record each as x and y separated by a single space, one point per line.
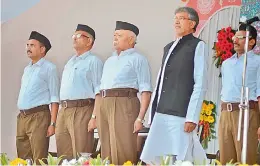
128 163
18 161
211 119
211 106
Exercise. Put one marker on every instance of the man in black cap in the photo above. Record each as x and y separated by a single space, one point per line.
39 88
119 112
232 71
79 86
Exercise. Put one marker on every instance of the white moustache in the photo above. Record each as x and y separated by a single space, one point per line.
115 42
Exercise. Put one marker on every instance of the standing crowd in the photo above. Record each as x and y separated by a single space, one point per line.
94 95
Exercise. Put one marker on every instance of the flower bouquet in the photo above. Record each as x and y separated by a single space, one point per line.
224 45
207 123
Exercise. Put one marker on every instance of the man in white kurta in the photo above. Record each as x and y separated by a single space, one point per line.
173 131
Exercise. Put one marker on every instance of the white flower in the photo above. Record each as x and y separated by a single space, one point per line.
243 19
65 162
178 163
186 163
81 160
73 161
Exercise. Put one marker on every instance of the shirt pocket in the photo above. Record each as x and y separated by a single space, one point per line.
83 73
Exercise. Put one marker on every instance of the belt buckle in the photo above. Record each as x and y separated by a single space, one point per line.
103 93
65 103
229 107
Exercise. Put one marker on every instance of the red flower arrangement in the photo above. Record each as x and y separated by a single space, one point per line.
224 45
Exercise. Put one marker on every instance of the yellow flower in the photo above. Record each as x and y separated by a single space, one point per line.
243 165
208 112
128 163
211 119
18 161
204 106
205 117
201 117
111 164
211 106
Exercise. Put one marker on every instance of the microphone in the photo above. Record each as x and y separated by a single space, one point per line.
251 20
244 20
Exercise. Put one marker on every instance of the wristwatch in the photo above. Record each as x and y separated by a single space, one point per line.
93 116
53 124
140 120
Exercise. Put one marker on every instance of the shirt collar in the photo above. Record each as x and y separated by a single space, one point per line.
190 35
83 56
125 52
39 63
249 53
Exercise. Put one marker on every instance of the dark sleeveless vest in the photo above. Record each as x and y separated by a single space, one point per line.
178 78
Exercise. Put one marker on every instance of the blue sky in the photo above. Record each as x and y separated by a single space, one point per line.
12 8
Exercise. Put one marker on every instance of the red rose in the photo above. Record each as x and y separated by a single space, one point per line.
218 45
230 45
225 36
224 56
229 54
225 42
227 48
220 36
230 35
228 29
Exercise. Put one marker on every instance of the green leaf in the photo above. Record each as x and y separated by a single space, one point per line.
212 131
139 163
4 159
214 137
41 162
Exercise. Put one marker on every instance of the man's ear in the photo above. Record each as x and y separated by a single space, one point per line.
43 49
193 23
91 41
130 40
251 42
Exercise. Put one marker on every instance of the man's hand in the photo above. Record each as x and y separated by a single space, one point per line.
138 126
258 133
50 131
92 125
189 127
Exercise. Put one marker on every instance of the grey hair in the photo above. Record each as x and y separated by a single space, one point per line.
193 14
133 35
91 37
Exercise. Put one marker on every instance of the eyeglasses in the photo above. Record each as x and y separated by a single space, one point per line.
181 18
239 37
78 36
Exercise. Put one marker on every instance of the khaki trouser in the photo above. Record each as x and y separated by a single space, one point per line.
72 134
31 140
229 147
115 122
